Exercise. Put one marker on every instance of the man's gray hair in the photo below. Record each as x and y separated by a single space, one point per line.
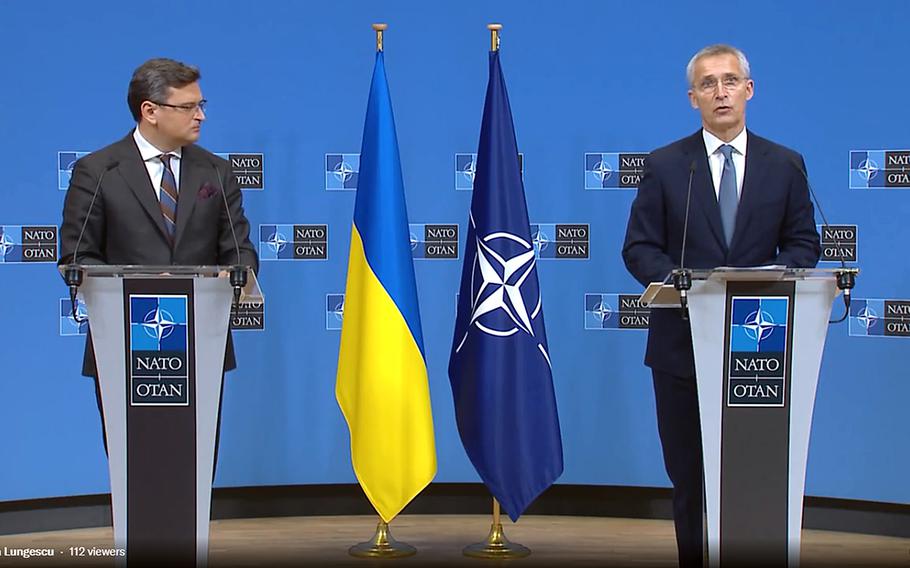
717 49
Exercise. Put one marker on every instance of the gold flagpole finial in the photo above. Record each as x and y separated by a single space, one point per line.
494 36
379 28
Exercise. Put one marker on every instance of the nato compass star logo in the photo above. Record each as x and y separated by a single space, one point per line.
602 311
158 324
6 244
759 325
277 242
867 169
414 240
343 171
503 304
540 240
603 171
867 317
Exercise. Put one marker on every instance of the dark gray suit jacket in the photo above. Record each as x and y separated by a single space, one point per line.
126 225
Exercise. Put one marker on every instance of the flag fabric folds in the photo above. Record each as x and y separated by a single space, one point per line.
499 366
382 386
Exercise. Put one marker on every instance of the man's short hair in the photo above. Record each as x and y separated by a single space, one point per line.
717 49
152 80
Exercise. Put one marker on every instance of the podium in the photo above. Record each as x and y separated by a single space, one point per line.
758 336
159 336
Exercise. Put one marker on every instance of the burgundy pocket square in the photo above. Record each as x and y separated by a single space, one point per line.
207 190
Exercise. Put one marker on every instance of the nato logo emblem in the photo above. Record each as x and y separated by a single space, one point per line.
341 172
838 242
465 167
615 311
68 325
758 350
293 242
28 243
159 343
334 311
879 318
613 170
66 161
246 169
879 169
561 241
433 241
248 316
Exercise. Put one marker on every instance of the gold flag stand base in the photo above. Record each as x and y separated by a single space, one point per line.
382 545
496 546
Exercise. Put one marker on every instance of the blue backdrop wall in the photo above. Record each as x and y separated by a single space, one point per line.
588 81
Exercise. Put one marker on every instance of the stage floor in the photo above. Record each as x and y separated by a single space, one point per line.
554 541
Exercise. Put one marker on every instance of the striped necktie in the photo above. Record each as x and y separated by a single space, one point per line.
167 197
727 197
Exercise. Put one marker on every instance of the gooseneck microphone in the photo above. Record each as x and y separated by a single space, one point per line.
73 274
846 277
238 271
682 276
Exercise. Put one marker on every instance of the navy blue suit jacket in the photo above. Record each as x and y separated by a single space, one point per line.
775 224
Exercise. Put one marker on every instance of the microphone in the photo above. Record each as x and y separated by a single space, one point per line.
238 271
846 277
682 276
73 274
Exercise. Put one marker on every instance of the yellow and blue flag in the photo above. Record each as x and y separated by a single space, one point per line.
499 366
382 386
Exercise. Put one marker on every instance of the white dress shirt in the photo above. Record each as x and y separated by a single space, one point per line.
716 159
153 163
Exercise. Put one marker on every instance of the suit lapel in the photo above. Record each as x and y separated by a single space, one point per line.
192 173
752 183
703 187
133 170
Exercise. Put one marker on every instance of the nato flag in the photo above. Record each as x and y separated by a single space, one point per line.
500 365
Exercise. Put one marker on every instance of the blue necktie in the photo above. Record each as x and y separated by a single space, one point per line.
728 198
167 197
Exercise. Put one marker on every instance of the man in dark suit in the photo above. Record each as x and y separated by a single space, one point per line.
750 207
160 199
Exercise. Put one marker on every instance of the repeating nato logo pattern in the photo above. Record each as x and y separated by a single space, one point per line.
615 311
66 161
879 169
158 350
758 348
293 242
879 318
613 170
341 172
28 243
334 311
68 325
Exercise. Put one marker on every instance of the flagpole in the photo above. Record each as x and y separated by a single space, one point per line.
382 545
496 545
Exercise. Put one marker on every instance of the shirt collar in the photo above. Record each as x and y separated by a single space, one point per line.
150 152
712 142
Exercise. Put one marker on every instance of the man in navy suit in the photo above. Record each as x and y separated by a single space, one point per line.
750 207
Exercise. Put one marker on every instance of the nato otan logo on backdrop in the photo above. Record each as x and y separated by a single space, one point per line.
341 172
561 240
334 311
429 241
879 318
28 243
66 161
158 350
246 169
838 242
293 242
879 169
615 311
758 351
613 170
248 316
465 166
68 325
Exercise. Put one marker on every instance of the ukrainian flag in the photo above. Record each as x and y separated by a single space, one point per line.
382 384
